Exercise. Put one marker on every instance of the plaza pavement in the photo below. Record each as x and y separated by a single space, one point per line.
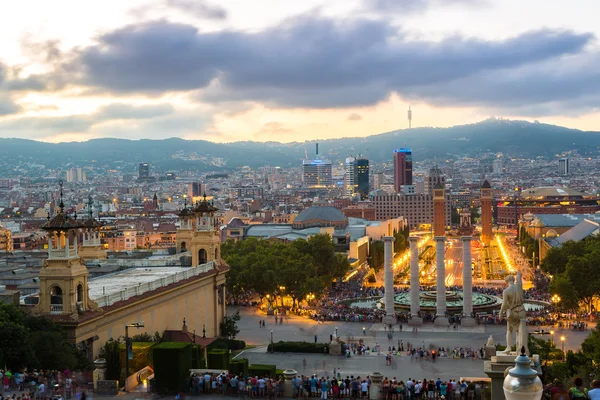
296 328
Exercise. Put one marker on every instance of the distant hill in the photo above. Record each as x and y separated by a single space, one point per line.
517 138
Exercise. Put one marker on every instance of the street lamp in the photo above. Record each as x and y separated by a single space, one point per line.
129 348
552 337
272 349
364 331
336 335
522 381
562 345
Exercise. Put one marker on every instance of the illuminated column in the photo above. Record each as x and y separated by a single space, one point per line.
414 282
388 271
440 316
467 319
486 213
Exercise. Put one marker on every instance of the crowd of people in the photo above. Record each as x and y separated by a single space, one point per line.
41 384
335 387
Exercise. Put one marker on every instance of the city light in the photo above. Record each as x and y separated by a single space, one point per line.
505 256
406 255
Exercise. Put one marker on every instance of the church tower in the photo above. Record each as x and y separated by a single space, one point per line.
486 213
198 233
439 211
63 279
91 247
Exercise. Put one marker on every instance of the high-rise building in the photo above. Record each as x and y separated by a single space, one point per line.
486 213
563 166
76 175
434 177
196 189
356 177
439 211
498 166
378 180
316 173
402 168
144 172
417 209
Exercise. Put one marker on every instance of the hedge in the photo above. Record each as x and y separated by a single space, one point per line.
262 370
142 357
218 359
230 344
298 347
197 360
239 367
172 364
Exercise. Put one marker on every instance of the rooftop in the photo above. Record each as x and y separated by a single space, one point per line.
326 213
550 191
564 220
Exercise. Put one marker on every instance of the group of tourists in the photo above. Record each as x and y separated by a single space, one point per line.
558 391
39 384
335 387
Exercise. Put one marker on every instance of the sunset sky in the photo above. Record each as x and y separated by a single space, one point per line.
285 70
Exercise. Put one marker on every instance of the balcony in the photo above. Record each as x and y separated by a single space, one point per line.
56 309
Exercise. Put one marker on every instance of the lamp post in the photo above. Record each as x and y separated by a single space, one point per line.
364 331
552 337
336 334
129 348
272 349
522 381
204 331
562 345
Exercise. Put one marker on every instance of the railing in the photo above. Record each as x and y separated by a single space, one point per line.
158 262
107 300
56 309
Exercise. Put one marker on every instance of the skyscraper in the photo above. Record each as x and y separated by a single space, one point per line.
316 173
356 178
402 168
143 172
563 166
196 189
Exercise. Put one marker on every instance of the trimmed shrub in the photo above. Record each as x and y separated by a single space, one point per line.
230 344
218 359
262 370
239 367
279 372
298 347
197 360
172 364
142 356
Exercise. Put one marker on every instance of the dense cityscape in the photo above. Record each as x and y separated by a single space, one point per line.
308 199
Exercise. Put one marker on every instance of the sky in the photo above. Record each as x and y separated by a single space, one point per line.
285 70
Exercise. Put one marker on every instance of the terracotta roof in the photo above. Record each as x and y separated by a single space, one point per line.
92 223
187 337
186 212
62 222
205 207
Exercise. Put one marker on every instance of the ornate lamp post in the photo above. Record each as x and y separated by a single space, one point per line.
522 381
562 345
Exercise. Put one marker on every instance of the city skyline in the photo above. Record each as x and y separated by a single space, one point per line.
227 71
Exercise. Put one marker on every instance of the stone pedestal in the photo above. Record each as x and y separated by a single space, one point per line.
99 373
467 321
388 256
490 351
288 388
335 349
415 300
497 369
440 266
375 388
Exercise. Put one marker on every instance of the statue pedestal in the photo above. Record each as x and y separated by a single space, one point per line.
415 321
335 349
490 351
497 369
375 387
468 321
389 320
288 375
441 320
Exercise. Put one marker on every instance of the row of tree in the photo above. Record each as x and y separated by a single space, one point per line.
31 342
574 270
376 248
273 269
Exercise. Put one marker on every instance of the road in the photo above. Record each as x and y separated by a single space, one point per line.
454 262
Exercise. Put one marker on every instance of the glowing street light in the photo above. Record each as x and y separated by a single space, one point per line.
562 345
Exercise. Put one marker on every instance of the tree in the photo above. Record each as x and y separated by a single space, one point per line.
376 253
112 354
228 326
562 286
582 273
555 261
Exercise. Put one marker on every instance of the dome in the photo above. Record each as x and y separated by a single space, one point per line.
326 213
551 234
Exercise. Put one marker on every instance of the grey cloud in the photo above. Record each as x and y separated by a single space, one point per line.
199 8
128 111
410 6
8 106
307 61
39 127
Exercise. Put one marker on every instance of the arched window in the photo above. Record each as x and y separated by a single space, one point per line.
79 293
216 254
202 256
56 300
183 247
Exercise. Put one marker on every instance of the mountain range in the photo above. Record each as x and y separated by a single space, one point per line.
515 138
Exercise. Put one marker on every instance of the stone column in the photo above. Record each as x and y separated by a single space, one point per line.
375 387
467 319
288 388
440 266
389 280
415 306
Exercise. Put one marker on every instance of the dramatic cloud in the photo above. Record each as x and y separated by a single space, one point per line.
198 8
128 111
8 106
309 61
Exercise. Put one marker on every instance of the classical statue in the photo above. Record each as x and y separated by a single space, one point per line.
512 305
490 342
